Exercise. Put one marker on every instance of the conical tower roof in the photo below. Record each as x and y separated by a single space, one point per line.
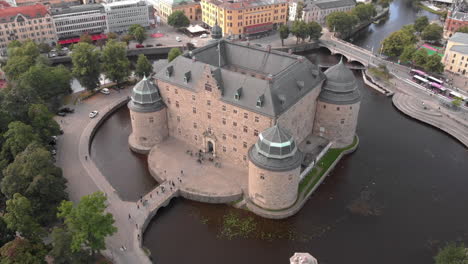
341 86
145 97
216 32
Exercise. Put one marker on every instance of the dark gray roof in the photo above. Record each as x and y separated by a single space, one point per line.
216 32
340 87
460 48
145 97
460 37
275 150
286 77
77 8
327 4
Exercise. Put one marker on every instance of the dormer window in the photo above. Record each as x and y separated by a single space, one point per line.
300 85
260 100
238 94
169 71
187 77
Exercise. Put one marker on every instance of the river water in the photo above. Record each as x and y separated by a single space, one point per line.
398 198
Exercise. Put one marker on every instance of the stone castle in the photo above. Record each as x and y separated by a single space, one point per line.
248 106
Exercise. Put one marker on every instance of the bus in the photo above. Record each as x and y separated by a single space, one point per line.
458 96
439 87
435 80
418 72
420 80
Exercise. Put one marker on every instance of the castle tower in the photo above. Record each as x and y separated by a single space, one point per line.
338 106
274 169
148 117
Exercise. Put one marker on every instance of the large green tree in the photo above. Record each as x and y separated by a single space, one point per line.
407 54
420 57
86 67
34 175
137 32
61 248
88 223
452 254
115 63
434 64
43 122
394 44
173 53
341 22
420 23
283 33
17 138
23 251
19 216
432 32
314 30
143 66
178 19
299 9
299 30
364 12
6 234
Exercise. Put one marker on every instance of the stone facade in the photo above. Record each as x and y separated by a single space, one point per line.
150 128
336 122
273 189
199 117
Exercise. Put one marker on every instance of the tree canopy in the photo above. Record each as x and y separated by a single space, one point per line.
283 33
364 12
87 222
394 44
314 30
43 123
86 38
115 63
173 53
420 23
61 248
341 22
6 234
299 30
143 66
407 54
434 64
432 32
17 138
23 251
452 254
178 19
86 67
137 32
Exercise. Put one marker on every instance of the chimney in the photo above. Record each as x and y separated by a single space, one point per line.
269 48
289 51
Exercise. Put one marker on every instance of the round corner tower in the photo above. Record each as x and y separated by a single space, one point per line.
338 106
148 117
274 169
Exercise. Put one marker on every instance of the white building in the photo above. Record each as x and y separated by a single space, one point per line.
293 9
122 14
318 10
75 21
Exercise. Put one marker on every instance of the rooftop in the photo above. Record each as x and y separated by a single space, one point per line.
30 11
243 4
263 81
340 86
460 38
460 48
327 4
76 8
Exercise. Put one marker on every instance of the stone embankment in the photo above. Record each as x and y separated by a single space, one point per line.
426 112
374 84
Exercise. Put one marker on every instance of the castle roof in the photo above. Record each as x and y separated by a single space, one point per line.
275 150
270 81
145 97
340 87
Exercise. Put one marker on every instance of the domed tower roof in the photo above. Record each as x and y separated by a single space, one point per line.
340 86
145 97
275 150
216 32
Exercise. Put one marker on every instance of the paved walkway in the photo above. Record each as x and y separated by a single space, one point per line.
430 113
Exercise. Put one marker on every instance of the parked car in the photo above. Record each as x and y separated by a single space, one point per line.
149 45
178 39
159 45
139 46
105 91
67 110
93 114
61 113
203 35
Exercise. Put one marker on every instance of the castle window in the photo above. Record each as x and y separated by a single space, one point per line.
234 149
260 100
238 94
177 104
234 111
195 137
338 108
187 77
324 106
256 119
290 177
246 129
178 118
224 136
209 115
176 92
168 100
244 144
142 139
350 107
169 71
194 110
256 132
234 136
224 121
208 87
262 176
224 149
151 119
234 123
224 108
208 102
167 88
194 125
244 157
246 115
179 131
193 97
342 121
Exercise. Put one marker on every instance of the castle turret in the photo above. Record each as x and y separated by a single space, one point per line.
338 106
148 117
274 169
216 32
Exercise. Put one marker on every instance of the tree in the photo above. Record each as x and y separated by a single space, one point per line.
61 248
432 32
452 254
283 33
6 234
314 30
17 138
19 217
407 54
43 123
178 19
58 47
420 57
86 67
457 102
394 44
143 67
23 251
87 222
364 12
115 63
86 39
341 22
33 174
44 47
127 39
299 30
112 35
463 29
173 53
434 64
138 32
299 9
420 23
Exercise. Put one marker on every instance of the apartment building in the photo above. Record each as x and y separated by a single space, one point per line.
26 22
246 18
53 3
190 8
319 10
456 54
122 14
74 21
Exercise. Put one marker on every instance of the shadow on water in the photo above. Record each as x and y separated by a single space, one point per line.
126 171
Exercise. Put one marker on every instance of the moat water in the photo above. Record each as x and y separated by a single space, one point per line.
398 198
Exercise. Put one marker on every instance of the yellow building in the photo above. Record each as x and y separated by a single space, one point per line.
190 8
244 18
456 54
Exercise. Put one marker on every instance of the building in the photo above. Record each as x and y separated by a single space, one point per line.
245 18
74 21
292 6
122 14
248 106
456 54
190 8
319 10
52 3
26 22
457 17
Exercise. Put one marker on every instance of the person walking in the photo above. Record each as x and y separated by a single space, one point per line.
129 216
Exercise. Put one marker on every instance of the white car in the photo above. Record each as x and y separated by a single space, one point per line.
203 35
93 114
178 39
105 91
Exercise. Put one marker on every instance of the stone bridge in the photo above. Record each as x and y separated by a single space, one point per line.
351 52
